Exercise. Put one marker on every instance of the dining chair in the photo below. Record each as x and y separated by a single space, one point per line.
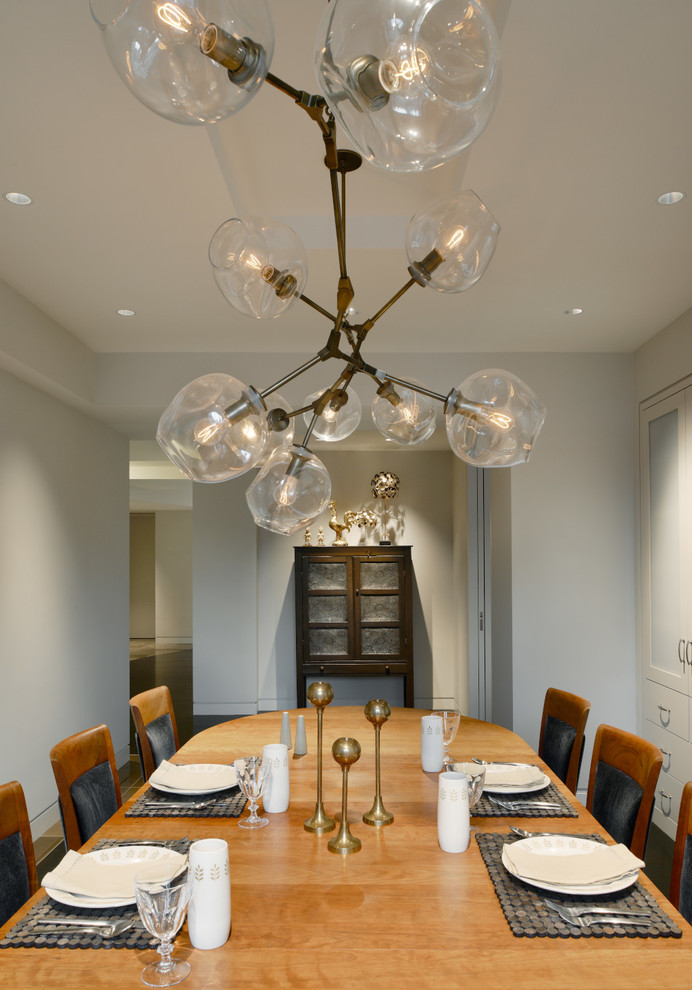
88 784
622 785
681 874
18 880
561 743
155 728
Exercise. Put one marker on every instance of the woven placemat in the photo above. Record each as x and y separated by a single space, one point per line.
485 808
27 934
528 917
153 804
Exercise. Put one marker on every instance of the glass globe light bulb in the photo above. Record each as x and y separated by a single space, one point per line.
412 83
403 415
260 265
450 243
191 61
214 429
276 438
493 419
334 423
291 490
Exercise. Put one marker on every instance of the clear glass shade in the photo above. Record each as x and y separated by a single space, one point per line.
412 82
276 438
260 265
493 419
291 490
463 231
408 420
335 424
156 49
214 429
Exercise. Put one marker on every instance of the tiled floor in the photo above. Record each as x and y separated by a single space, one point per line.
172 665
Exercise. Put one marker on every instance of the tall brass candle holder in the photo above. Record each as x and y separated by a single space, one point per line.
319 694
377 712
345 751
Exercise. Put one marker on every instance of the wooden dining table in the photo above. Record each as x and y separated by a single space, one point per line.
399 913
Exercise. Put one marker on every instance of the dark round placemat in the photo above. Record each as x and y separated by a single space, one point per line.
528 916
153 804
28 934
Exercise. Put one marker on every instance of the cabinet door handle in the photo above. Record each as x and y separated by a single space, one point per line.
688 655
662 708
669 799
681 650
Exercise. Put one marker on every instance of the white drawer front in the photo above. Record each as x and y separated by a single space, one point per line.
677 752
667 804
667 708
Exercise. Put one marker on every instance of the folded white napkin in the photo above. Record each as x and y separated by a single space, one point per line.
194 778
498 775
570 864
108 878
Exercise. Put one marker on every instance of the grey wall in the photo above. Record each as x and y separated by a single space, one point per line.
63 585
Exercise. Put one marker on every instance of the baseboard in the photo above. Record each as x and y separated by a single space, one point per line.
45 822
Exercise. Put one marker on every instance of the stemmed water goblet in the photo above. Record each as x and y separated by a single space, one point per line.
253 775
450 725
162 901
475 774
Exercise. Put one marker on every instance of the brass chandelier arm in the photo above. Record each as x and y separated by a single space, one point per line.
316 306
415 387
289 377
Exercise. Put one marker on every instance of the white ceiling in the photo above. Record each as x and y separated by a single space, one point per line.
593 123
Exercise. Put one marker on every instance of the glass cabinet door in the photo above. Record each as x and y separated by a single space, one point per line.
379 607
328 608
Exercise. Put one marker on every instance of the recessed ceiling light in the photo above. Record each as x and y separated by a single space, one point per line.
669 198
573 312
126 312
19 199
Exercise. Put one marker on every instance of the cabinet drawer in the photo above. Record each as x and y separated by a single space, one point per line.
677 753
667 708
667 803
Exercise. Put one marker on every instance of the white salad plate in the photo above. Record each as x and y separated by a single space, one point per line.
114 857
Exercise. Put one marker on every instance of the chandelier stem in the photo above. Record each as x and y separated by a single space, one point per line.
308 432
289 378
339 224
316 306
416 388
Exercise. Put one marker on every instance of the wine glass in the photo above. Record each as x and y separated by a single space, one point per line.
450 725
162 900
253 775
475 773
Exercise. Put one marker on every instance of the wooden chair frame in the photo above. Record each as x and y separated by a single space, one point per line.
639 759
14 817
573 710
146 707
684 829
70 759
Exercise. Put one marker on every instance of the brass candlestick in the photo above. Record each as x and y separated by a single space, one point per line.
345 751
377 712
319 694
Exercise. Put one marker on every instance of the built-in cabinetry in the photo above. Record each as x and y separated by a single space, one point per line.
666 569
353 613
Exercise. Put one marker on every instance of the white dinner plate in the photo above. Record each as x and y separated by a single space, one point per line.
195 768
114 855
580 890
513 789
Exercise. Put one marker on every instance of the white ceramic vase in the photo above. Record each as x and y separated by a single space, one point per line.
276 790
209 912
432 748
453 825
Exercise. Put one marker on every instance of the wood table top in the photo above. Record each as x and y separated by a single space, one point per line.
399 913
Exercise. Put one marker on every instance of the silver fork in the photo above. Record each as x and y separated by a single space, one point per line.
578 912
181 804
518 805
103 930
586 921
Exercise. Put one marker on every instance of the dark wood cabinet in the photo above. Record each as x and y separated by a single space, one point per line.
353 613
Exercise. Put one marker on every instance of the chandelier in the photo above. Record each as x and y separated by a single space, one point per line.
412 83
